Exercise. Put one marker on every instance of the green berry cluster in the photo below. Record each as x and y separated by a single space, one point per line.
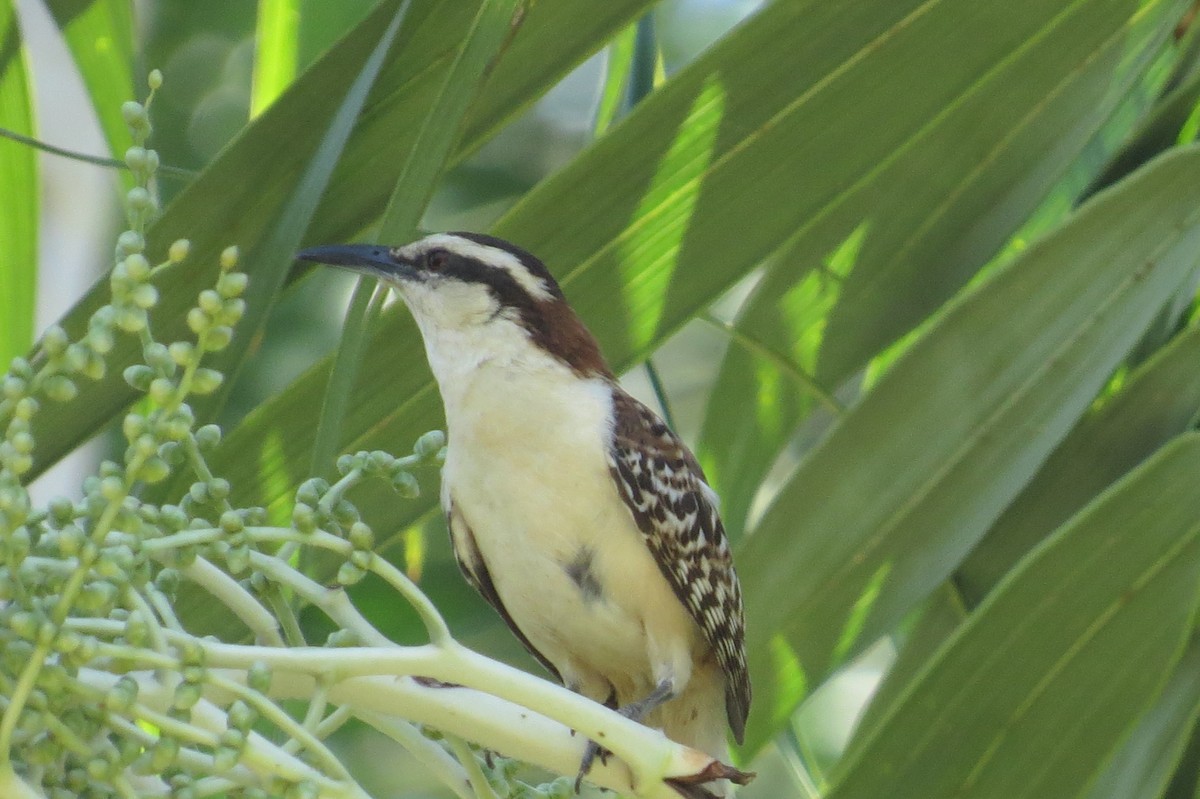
76 568
323 506
88 585
103 692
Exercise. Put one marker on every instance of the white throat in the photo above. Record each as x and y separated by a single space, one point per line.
478 367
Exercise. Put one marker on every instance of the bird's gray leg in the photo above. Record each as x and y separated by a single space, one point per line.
634 711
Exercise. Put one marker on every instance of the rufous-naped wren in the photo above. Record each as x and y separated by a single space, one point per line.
573 509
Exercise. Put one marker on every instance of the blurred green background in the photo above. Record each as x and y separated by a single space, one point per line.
934 391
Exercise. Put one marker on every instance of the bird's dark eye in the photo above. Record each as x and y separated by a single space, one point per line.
437 260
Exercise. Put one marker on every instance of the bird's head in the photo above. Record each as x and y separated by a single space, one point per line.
477 291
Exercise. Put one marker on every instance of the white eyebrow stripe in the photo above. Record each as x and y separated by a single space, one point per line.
493 256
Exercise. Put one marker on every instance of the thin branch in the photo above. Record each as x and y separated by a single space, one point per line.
784 364
208 721
112 163
494 715
433 757
243 604
326 599
295 731
333 722
479 781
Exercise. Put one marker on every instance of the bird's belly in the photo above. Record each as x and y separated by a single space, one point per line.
571 568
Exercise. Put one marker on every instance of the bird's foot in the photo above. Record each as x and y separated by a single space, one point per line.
634 711
590 753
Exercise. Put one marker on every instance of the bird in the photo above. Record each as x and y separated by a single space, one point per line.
573 509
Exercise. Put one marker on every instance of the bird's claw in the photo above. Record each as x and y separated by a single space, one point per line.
590 753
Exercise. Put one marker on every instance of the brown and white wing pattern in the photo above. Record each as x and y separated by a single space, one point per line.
665 489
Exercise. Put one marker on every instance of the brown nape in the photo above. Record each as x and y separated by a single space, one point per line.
557 329
552 324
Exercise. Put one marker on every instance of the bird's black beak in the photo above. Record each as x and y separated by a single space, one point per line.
369 259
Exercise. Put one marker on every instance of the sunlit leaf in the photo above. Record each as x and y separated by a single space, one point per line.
616 78
276 51
1157 403
415 186
1045 679
18 206
273 257
939 619
914 475
924 150
218 209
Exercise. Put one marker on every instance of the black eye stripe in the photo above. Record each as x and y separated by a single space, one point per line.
503 286
530 261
